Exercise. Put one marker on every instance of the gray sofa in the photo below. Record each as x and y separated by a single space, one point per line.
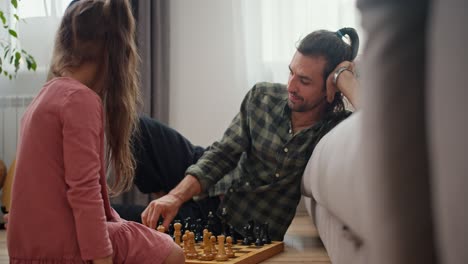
390 184
332 187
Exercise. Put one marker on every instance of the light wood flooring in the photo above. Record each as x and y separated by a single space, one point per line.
302 245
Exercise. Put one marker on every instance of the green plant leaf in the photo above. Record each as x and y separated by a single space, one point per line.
2 17
14 3
12 58
17 60
13 33
7 49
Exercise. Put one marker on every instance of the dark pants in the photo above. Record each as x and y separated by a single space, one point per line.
162 156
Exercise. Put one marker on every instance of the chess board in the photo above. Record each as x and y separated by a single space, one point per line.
245 254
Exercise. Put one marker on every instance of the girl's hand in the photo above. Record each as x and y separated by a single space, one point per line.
5 218
106 260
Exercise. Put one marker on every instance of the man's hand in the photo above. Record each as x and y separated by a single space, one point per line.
166 206
346 83
106 260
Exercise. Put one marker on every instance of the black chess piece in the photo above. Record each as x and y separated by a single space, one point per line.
193 227
198 230
170 231
258 241
266 233
250 231
246 240
233 233
187 224
210 223
224 230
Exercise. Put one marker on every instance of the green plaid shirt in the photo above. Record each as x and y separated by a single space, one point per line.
259 162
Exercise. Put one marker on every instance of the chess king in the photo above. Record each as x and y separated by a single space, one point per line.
255 170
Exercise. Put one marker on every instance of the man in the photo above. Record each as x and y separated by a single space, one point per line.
255 170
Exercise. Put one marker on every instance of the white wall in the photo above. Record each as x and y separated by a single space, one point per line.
38 43
206 89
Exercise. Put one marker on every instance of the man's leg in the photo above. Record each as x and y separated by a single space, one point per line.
162 155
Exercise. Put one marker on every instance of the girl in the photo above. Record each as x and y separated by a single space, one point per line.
79 124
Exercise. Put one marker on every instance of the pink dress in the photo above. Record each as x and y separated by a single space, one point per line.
60 211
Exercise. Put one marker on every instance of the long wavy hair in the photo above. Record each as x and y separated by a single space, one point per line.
331 45
103 31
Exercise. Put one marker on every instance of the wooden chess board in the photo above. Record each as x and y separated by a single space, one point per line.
246 254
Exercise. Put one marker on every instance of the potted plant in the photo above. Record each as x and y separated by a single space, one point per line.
12 57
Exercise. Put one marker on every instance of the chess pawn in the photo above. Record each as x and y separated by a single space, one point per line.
192 252
177 233
202 245
187 233
207 255
186 244
161 229
214 251
229 252
221 256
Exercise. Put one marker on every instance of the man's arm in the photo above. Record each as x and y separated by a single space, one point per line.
168 205
345 83
220 159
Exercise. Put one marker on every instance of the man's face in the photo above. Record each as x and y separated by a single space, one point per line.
306 86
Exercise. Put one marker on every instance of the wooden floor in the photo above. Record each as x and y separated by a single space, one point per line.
302 245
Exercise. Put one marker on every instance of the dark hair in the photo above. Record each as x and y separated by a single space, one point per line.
335 50
103 31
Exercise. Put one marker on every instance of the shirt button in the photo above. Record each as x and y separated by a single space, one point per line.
290 131
277 175
247 184
231 190
286 150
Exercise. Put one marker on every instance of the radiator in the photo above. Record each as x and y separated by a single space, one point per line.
12 109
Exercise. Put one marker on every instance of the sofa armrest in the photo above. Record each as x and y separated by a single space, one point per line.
331 177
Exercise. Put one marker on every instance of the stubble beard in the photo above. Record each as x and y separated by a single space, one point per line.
303 107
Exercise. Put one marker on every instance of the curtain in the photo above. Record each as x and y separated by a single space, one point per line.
153 40
153 43
269 31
